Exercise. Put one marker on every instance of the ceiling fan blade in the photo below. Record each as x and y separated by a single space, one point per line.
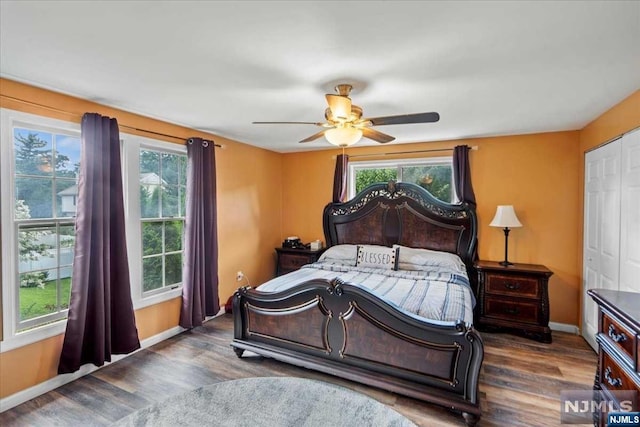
404 119
313 137
377 136
288 123
340 106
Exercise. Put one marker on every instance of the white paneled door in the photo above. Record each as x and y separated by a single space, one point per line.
601 258
630 213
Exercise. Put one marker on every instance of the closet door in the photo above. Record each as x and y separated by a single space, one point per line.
601 258
630 213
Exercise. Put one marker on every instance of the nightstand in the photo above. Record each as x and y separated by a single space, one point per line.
292 259
515 298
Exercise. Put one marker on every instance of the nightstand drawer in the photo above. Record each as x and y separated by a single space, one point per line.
512 285
621 337
509 309
293 261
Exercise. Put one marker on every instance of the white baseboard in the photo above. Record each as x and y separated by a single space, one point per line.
60 380
564 327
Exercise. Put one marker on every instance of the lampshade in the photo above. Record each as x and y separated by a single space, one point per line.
505 217
343 136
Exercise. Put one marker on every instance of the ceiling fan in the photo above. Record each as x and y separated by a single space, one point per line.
345 125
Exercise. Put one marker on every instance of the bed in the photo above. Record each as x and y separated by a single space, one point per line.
330 318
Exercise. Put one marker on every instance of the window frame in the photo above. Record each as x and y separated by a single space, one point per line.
398 164
11 337
131 146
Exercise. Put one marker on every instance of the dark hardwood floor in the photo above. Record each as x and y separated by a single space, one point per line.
520 382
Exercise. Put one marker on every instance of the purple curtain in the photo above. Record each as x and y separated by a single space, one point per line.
101 320
200 273
340 179
462 175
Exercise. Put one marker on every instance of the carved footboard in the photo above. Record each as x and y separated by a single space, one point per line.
343 330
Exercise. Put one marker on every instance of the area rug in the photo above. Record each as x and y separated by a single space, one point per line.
268 401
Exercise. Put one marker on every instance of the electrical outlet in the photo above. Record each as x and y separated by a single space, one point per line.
239 276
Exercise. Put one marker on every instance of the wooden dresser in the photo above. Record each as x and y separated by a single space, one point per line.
290 259
618 343
514 298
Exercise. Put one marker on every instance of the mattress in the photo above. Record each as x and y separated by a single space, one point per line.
440 294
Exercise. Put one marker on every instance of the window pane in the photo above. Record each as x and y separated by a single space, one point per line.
65 287
34 198
183 201
38 294
32 152
66 198
67 156
151 238
366 177
170 169
150 163
37 249
172 236
151 273
150 201
170 200
182 160
173 269
67 241
436 179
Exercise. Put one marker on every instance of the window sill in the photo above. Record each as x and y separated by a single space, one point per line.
58 328
33 336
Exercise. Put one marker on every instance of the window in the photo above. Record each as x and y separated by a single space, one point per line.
40 165
433 174
155 192
162 207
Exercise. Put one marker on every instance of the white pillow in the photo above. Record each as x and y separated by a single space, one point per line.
345 253
378 257
426 259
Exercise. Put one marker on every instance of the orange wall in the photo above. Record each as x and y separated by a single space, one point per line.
249 220
536 173
620 119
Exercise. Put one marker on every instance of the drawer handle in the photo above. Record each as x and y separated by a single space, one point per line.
511 310
613 382
621 337
512 286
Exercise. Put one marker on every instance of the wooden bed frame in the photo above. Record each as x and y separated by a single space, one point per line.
341 329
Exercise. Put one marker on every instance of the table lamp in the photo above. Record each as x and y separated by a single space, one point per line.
506 218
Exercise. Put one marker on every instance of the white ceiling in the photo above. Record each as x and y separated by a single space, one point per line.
488 68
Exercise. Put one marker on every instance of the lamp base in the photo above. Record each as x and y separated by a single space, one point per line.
505 263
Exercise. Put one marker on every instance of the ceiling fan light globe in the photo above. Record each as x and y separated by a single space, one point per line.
343 136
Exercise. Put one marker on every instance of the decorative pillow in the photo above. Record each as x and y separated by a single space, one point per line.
426 259
378 257
345 254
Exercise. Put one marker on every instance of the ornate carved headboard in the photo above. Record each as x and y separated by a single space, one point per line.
404 214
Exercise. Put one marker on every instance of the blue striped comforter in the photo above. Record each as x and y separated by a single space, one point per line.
441 295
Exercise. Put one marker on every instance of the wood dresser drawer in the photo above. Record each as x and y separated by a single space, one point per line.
614 378
620 336
512 285
516 311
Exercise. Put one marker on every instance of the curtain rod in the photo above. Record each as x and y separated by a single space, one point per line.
474 148
24 101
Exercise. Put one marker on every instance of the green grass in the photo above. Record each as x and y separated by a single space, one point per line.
36 302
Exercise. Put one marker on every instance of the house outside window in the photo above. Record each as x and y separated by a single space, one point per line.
435 174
